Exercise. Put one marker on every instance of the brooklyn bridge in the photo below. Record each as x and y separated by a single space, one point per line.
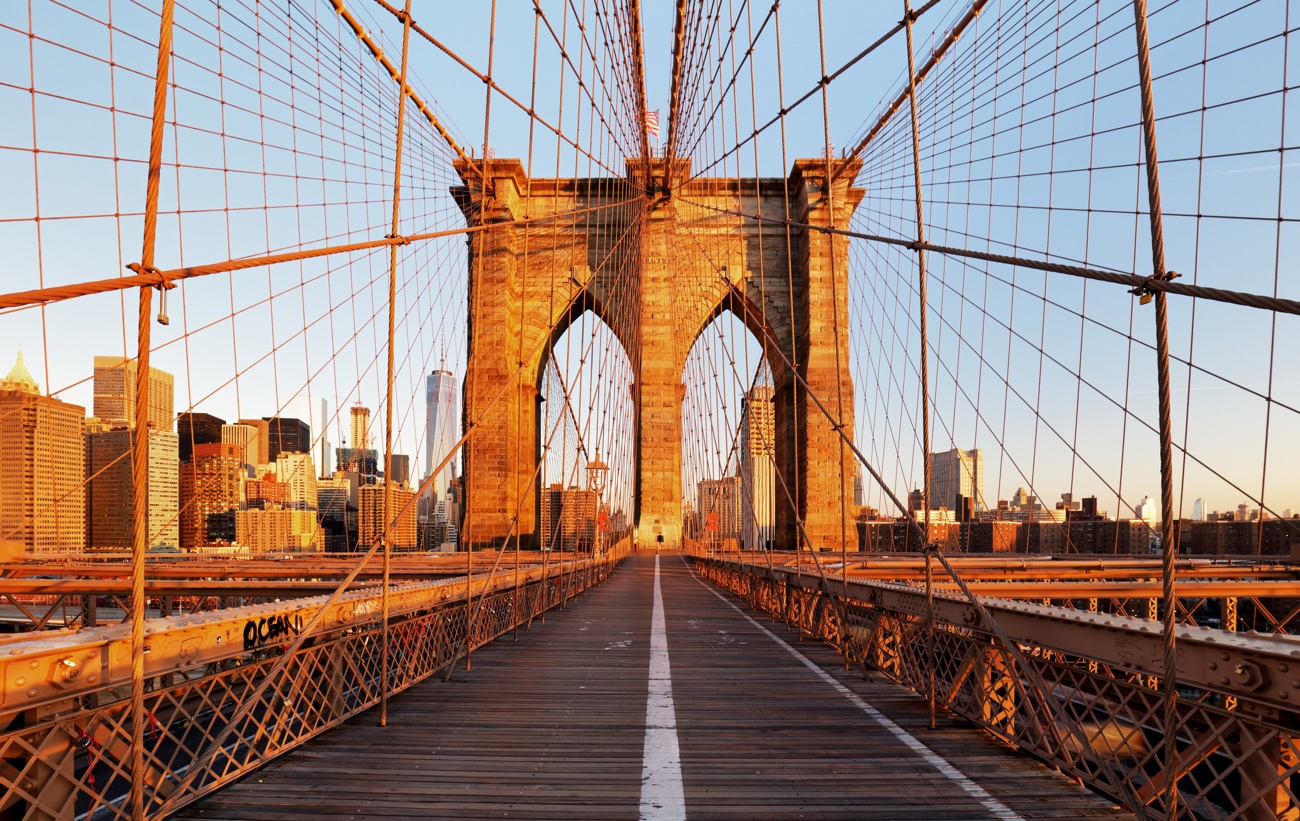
603 409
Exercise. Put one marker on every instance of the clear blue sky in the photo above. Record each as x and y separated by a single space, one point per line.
85 115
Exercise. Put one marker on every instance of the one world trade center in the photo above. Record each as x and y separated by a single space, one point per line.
443 425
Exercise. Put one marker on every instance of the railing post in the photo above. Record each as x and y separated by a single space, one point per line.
1263 794
997 691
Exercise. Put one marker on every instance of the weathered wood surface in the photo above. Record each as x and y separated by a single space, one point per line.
552 727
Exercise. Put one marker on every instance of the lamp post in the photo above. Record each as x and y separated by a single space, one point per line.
597 472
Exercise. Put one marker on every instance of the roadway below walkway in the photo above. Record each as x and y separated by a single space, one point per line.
653 697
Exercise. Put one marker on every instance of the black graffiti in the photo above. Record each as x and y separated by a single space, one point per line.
266 631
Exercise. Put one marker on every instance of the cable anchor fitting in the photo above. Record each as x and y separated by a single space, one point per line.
1145 292
163 285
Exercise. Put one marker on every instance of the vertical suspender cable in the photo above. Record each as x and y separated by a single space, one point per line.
925 357
466 536
835 323
1167 536
140 437
541 459
389 507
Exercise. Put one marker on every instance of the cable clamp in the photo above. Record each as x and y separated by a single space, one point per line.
1145 292
164 284
401 240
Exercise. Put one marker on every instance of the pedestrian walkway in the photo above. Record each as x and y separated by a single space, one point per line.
654 697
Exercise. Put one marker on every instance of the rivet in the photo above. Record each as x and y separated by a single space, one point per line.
20 681
32 693
1214 665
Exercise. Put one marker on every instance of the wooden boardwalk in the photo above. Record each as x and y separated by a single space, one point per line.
554 726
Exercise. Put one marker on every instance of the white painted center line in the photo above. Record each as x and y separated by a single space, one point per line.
994 806
662 798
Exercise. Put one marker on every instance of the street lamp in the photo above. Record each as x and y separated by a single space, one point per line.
597 471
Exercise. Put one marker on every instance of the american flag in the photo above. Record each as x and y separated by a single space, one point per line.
652 124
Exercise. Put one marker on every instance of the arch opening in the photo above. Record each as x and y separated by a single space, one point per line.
585 438
729 486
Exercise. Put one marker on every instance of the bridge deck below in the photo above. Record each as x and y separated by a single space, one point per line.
554 726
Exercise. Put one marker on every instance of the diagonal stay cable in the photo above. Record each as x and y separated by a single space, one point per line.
1139 284
164 279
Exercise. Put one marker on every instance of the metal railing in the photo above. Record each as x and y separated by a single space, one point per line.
1100 714
67 731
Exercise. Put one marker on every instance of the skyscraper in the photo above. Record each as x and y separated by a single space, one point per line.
360 457
326 453
401 473
42 457
109 492
719 506
552 508
115 393
568 518
757 468
263 441
286 435
211 489
297 471
442 427
197 429
956 473
245 439
374 515
110 496
360 428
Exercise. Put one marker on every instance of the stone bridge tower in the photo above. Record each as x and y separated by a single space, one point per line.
658 269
